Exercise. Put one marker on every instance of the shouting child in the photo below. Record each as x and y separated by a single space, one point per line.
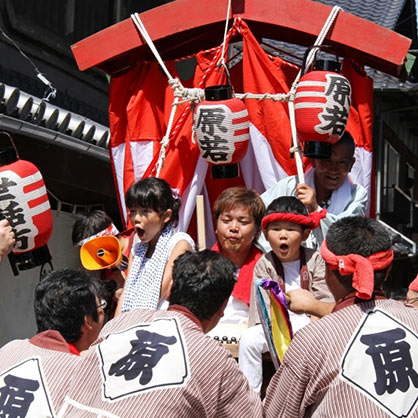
286 225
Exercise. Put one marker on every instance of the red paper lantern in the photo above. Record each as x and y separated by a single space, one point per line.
24 203
322 106
222 130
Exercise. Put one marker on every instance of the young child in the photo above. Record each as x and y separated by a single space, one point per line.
90 225
153 210
286 225
98 223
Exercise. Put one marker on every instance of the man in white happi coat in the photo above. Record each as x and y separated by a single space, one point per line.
361 360
149 363
35 373
327 186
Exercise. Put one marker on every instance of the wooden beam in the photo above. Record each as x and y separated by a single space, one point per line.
297 21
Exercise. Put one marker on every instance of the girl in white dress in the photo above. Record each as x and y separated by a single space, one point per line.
153 210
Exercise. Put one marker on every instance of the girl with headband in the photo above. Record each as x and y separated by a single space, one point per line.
286 224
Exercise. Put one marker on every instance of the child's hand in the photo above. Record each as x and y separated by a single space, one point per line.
300 301
307 196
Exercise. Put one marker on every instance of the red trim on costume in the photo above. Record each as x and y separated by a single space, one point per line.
311 221
187 313
242 288
53 340
361 267
352 299
73 349
414 285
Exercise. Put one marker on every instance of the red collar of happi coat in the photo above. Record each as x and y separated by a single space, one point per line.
53 340
187 313
350 299
242 288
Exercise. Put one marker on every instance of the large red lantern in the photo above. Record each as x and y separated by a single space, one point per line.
24 203
322 107
221 124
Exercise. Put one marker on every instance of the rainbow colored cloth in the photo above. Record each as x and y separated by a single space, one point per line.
276 323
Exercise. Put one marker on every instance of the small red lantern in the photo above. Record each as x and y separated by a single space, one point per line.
24 203
221 124
322 107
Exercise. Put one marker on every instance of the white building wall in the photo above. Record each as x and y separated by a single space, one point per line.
17 319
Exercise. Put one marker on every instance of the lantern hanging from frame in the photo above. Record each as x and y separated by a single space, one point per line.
322 107
24 203
221 125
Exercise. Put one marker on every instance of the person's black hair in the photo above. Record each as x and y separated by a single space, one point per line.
347 140
202 281
156 194
106 291
287 204
89 224
359 235
396 293
62 300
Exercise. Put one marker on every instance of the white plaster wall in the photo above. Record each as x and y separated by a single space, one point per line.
17 318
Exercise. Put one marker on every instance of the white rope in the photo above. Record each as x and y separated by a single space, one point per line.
278 97
166 138
179 91
196 95
324 31
143 31
228 11
311 56
221 61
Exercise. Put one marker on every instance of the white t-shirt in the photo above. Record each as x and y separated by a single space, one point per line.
291 272
236 311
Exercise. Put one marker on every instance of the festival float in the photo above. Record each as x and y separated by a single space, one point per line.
160 63
197 98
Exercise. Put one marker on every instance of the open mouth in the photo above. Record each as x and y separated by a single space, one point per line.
284 247
140 232
333 178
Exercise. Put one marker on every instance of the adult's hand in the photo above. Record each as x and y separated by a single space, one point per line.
307 196
7 238
302 301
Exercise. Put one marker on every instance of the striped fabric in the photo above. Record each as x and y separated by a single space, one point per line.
52 370
308 383
210 383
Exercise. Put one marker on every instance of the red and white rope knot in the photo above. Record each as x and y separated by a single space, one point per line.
362 268
194 95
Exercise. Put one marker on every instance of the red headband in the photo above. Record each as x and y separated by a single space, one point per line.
362 268
311 221
110 230
414 285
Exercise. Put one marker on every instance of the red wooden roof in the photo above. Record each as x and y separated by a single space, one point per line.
183 27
